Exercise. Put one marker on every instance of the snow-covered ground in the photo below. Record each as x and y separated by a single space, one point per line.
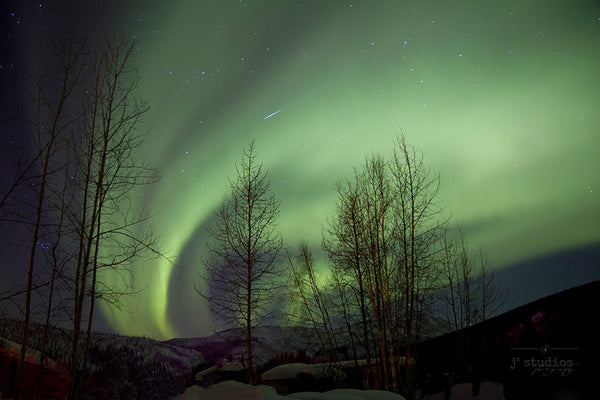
239 391
293 370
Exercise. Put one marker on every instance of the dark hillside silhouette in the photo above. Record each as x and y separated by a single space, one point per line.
538 348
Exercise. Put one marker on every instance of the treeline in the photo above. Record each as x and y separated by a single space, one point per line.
73 197
120 367
397 268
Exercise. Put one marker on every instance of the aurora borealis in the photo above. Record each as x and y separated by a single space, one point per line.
502 98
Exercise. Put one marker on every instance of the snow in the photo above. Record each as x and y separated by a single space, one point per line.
368 394
230 390
239 391
206 371
236 390
233 366
323 396
346 394
293 370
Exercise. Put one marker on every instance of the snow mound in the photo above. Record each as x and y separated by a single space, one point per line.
293 370
233 366
367 394
346 394
240 391
322 396
230 390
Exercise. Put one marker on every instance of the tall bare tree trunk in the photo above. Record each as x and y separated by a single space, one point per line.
249 326
69 62
49 306
241 269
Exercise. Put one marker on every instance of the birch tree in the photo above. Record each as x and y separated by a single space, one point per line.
386 237
419 224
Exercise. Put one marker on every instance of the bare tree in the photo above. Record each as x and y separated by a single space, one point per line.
56 264
241 265
343 242
84 221
377 249
315 301
419 225
459 275
51 123
491 296
470 293
386 237
108 229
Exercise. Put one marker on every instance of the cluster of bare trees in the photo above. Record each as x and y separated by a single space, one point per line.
84 220
315 303
381 245
389 251
390 258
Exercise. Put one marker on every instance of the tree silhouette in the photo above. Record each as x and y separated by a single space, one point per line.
384 244
109 231
83 173
51 110
241 265
470 292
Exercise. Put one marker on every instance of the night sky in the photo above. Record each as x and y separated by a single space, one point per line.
503 98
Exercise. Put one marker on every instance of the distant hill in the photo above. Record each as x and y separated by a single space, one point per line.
121 367
543 345
127 367
536 278
268 341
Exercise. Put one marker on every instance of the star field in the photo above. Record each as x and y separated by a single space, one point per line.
502 98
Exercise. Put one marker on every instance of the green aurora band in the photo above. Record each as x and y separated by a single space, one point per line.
502 98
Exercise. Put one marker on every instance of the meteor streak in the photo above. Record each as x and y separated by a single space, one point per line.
273 113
